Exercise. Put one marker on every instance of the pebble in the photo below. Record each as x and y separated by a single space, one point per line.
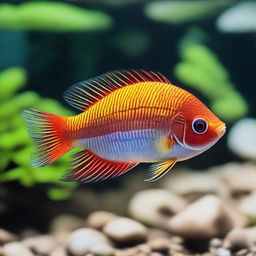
127 252
209 254
59 251
155 206
233 173
223 252
160 245
241 238
62 225
242 252
42 245
176 247
99 219
6 236
102 250
125 230
200 184
248 207
215 243
236 239
143 249
157 233
155 254
16 249
84 241
66 222
140 250
206 218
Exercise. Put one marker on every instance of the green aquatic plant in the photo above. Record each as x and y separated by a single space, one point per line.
51 16
202 70
15 144
175 12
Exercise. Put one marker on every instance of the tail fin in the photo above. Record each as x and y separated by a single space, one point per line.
49 134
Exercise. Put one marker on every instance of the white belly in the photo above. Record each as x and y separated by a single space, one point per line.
134 146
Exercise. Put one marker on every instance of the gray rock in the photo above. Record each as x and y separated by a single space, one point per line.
143 249
209 254
200 184
247 205
62 225
155 206
242 252
124 230
85 240
6 236
157 233
16 249
237 239
160 244
59 251
223 252
102 250
215 243
233 173
176 248
66 222
241 238
140 250
206 218
42 245
155 254
99 219
126 252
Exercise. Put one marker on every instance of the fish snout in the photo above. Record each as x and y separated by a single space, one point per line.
221 130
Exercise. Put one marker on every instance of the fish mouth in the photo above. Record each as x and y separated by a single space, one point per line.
221 130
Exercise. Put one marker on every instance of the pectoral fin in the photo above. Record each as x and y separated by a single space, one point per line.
164 144
158 170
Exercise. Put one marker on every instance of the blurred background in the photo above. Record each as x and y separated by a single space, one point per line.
205 47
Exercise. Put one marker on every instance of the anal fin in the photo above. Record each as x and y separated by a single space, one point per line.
88 167
158 170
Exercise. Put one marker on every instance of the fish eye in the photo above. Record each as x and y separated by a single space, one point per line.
199 126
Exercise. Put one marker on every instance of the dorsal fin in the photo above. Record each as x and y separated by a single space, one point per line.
84 94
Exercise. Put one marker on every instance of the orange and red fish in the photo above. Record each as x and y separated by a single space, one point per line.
128 117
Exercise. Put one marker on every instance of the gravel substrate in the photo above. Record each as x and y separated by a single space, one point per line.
191 213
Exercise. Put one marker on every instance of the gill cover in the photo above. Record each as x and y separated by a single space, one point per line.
181 130
178 128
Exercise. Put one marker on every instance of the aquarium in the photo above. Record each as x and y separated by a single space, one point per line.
127 128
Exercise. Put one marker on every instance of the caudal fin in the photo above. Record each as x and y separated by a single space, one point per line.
49 134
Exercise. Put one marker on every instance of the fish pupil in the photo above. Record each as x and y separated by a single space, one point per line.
199 126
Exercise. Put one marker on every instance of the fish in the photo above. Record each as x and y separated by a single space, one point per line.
128 117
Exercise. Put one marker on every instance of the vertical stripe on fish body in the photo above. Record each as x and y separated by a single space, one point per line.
125 124
128 117
146 105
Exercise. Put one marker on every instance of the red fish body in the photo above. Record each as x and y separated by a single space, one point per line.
128 117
